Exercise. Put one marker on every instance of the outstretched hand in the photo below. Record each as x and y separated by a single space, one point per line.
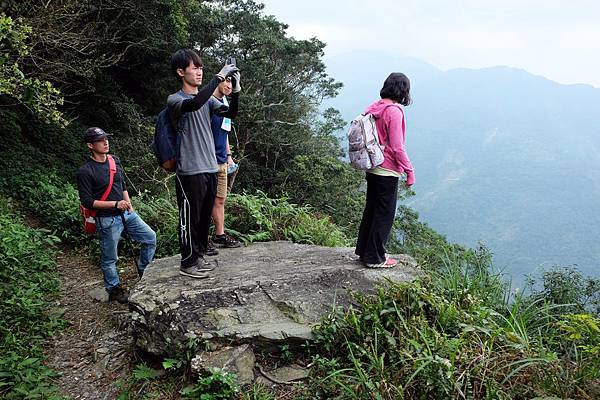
227 70
235 80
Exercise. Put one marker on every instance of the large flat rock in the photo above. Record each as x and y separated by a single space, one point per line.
265 294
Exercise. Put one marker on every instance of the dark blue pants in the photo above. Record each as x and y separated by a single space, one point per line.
378 218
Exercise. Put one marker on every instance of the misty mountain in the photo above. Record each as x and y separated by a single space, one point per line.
501 156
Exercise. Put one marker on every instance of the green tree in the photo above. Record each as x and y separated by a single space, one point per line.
17 88
110 61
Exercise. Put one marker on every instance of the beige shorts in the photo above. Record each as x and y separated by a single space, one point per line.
222 181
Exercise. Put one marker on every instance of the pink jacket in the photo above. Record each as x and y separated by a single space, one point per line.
391 128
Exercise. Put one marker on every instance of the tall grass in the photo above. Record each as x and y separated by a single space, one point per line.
457 333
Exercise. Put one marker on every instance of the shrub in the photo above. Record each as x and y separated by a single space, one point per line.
28 276
218 385
327 184
160 212
57 204
260 218
567 286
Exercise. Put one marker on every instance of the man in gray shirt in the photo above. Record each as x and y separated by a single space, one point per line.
191 110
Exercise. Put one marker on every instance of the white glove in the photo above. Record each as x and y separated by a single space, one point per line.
227 70
235 80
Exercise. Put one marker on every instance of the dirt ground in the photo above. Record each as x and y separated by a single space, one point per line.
94 354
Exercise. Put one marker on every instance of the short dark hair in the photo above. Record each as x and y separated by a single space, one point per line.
397 88
181 59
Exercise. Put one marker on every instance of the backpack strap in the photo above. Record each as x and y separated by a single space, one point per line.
401 110
112 170
178 124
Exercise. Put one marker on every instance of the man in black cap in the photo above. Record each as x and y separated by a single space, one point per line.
115 213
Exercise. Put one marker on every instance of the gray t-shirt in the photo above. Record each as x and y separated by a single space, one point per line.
196 143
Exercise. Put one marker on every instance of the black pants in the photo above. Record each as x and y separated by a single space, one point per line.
378 218
195 199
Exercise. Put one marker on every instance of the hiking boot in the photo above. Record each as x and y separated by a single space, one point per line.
119 294
225 240
193 272
204 265
211 249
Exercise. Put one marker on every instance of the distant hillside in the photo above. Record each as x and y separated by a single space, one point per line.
501 156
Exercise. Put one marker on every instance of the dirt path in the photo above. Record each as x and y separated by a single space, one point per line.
94 354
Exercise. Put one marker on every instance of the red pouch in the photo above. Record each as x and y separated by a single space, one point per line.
89 216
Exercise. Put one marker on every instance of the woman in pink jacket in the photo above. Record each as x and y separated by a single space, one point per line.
382 181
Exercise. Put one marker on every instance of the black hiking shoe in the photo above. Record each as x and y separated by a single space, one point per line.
204 265
198 270
225 240
211 250
119 294
192 272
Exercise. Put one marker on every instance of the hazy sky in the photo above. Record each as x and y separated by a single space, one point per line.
558 39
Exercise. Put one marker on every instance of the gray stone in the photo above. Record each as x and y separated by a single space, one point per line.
267 294
99 294
288 374
237 360
261 380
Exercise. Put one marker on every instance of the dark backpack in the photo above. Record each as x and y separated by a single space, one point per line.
165 144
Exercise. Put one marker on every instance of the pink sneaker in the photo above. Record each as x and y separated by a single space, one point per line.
388 263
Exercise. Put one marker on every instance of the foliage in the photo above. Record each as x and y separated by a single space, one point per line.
28 155
142 372
456 333
121 55
260 218
160 212
285 354
218 385
414 237
27 273
251 217
57 204
285 83
257 392
325 183
568 286
40 97
146 382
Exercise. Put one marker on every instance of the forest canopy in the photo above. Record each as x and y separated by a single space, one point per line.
67 65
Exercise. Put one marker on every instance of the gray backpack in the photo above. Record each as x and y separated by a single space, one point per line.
363 143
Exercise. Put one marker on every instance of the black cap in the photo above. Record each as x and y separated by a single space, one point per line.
94 134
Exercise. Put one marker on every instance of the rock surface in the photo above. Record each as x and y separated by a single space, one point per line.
236 360
288 374
266 294
99 294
